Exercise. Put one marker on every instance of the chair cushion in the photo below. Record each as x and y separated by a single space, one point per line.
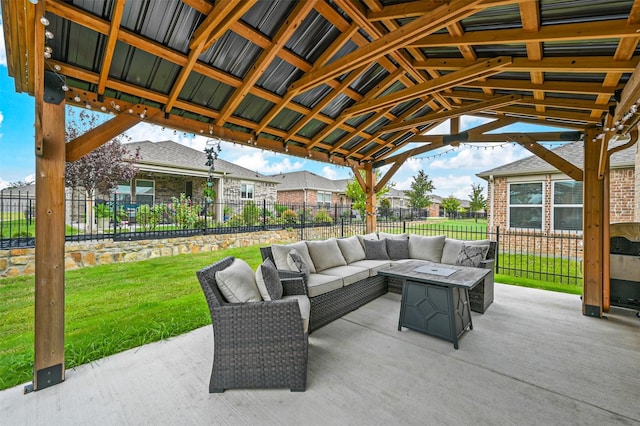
452 249
375 249
351 249
237 283
397 248
268 281
349 274
320 283
281 251
325 254
472 255
371 236
426 248
305 308
297 263
372 265
383 235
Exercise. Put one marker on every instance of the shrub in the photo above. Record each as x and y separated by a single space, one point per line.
322 216
186 213
235 220
251 214
149 217
289 217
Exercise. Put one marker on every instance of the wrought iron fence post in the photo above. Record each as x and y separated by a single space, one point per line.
303 220
404 226
264 214
115 213
342 227
497 256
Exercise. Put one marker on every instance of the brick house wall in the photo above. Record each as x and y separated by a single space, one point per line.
637 185
297 197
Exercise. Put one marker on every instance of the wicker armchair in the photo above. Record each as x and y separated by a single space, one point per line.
256 344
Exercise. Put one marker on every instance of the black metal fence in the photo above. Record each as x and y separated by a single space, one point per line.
533 255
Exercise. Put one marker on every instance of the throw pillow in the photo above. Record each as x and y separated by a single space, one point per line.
325 254
453 246
280 253
376 249
426 248
472 255
237 283
351 249
268 281
398 249
297 263
371 236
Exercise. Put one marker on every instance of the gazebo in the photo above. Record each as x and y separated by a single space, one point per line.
349 82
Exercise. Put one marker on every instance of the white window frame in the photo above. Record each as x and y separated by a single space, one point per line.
244 190
541 205
153 192
553 207
324 204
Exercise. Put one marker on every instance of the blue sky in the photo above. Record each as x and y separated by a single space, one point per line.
452 171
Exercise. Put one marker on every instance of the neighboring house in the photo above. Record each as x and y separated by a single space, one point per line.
532 194
298 188
168 169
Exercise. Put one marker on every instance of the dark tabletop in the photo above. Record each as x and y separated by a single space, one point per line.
464 276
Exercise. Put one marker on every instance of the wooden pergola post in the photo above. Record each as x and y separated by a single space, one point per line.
370 192
593 225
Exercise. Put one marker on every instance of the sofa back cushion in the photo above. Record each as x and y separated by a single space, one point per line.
426 248
371 236
386 235
452 248
280 253
325 254
351 249
237 283
376 249
397 248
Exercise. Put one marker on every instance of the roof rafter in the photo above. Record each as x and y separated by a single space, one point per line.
116 17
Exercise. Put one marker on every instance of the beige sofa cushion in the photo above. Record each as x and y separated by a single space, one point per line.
319 284
351 249
305 308
426 248
280 252
371 236
325 254
383 235
372 265
349 274
452 248
237 283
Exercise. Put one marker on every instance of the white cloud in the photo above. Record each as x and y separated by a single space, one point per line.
457 185
3 183
479 158
329 172
3 52
267 163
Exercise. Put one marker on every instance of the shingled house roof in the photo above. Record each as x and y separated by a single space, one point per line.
308 180
174 158
574 153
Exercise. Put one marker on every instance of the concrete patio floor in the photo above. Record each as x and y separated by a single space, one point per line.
533 358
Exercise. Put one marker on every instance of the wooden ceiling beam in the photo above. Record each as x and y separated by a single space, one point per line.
422 7
572 64
286 30
444 115
577 117
442 15
532 145
580 88
479 69
582 31
471 137
112 38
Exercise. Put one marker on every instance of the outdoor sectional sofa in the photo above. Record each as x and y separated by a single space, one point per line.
261 320
343 273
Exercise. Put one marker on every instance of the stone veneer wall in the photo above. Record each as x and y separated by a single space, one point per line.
15 262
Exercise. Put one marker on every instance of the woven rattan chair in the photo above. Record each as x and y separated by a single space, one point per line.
256 344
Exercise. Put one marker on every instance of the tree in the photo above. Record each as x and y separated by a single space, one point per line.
100 171
451 205
20 183
421 187
357 195
477 200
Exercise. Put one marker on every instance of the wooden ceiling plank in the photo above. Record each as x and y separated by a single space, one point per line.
454 10
472 72
295 19
530 144
444 115
548 86
558 115
214 18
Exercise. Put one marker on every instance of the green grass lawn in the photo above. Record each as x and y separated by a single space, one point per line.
112 308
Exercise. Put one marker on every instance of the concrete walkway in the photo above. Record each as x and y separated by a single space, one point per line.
533 358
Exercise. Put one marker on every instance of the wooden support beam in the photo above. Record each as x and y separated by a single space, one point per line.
359 178
49 249
387 176
370 203
549 156
94 138
593 225
116 17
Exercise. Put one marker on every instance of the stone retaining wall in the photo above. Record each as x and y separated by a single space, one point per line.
77 255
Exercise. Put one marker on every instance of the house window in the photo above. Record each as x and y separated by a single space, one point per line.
567 205
525 205
324 200
123 192
145 191
246 191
